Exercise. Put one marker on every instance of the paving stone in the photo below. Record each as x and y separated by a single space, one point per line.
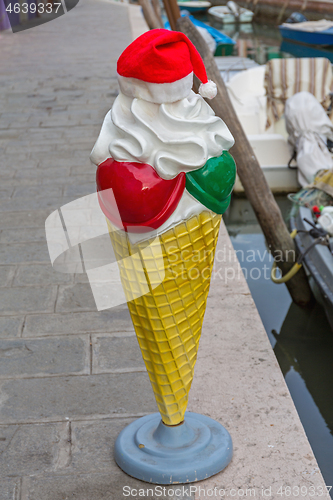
39 136
60 171
80 189
116 352
112 320
7 173
47 356
33 203
37 192
84 166
57 121
6 192
35 274
77 297
62 157
11 326
12 182
10 488
28 164
15 300
24 252
46 148
6 275
24 219
30 449
6 134
54 161
58 397
93 444
105 486
19 235
81 278
72 179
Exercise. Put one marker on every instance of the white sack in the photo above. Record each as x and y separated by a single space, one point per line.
309 128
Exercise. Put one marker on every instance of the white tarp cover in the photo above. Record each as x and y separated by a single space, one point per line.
310 26
309 128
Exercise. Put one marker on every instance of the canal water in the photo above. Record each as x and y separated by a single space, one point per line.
302 339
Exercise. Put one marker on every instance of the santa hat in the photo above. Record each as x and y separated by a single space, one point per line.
158 67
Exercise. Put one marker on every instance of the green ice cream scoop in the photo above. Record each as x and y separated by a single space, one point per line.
212 184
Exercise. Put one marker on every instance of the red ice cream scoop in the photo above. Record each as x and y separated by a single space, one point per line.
138 194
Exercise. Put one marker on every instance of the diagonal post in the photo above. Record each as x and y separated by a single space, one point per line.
251 175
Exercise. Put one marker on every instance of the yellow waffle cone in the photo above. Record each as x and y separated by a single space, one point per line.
168 317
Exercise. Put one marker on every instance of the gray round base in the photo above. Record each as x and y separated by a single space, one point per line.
156 453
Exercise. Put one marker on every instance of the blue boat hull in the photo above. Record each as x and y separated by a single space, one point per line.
220 38
311 38
318 261
193 10
217 35
301 50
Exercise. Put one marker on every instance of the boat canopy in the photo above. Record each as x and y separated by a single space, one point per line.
286 77
308 127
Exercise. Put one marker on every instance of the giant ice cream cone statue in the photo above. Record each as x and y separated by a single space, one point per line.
162 153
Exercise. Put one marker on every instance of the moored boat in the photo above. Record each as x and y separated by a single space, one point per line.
224 44
301 50
194 5
311 137
318 260
222 14
258 96
232 65
231 13
309 32
248 96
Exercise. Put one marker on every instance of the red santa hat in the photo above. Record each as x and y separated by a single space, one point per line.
158 67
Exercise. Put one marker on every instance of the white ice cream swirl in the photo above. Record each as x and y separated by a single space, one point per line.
172 138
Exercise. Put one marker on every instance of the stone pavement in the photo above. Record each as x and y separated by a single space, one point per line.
72 377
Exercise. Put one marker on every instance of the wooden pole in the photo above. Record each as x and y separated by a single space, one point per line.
172 11
157 9
149 14
175 9
251 175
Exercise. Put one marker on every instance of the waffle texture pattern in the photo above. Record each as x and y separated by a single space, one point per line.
166 283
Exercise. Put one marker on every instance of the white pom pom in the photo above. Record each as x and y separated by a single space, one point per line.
208 89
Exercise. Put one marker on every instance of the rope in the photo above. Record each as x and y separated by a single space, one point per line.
296 267
323 239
